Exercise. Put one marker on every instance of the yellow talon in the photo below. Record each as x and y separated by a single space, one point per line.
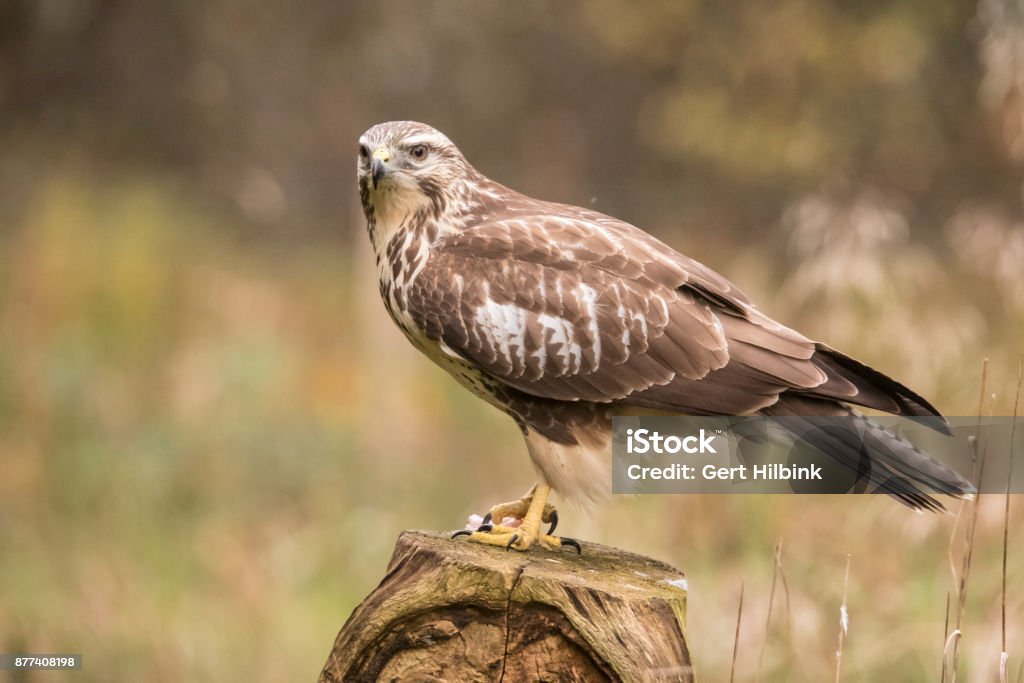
514 540
534 510
518 509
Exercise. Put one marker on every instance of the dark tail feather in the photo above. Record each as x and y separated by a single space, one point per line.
875 456
875 390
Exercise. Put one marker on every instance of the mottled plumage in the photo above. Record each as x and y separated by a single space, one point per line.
562 317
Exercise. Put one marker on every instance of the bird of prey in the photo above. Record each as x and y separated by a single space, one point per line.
563 317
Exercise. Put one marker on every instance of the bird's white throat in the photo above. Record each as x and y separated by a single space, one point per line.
393 209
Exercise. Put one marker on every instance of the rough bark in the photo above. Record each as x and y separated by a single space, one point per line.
449 610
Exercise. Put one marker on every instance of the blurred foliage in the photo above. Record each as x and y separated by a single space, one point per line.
210 433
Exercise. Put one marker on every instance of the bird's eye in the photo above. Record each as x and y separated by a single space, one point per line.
364 152
419 152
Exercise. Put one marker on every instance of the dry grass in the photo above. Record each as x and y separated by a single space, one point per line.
960 579
844 622
736 638
1004 654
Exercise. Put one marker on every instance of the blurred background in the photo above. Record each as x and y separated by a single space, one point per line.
211 434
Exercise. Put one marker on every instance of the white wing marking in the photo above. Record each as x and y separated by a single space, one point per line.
589 299
504 325
562 334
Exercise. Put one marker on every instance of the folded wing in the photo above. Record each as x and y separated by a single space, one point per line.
568 304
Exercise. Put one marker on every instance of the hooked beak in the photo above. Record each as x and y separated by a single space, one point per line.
378 166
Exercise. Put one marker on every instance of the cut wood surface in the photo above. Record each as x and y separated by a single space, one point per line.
450 610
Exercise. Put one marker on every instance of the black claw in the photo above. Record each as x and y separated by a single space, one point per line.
487 519
463 532
485 528
571 543
515 537
554 522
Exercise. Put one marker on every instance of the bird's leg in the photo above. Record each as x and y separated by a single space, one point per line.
537 512
517 509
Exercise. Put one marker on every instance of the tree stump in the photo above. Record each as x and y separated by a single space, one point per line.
448 610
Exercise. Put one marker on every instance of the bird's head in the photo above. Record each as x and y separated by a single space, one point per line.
405 167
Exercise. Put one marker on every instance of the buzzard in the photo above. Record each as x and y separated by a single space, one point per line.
562 317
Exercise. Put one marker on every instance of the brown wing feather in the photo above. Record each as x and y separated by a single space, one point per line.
552 331
657 329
